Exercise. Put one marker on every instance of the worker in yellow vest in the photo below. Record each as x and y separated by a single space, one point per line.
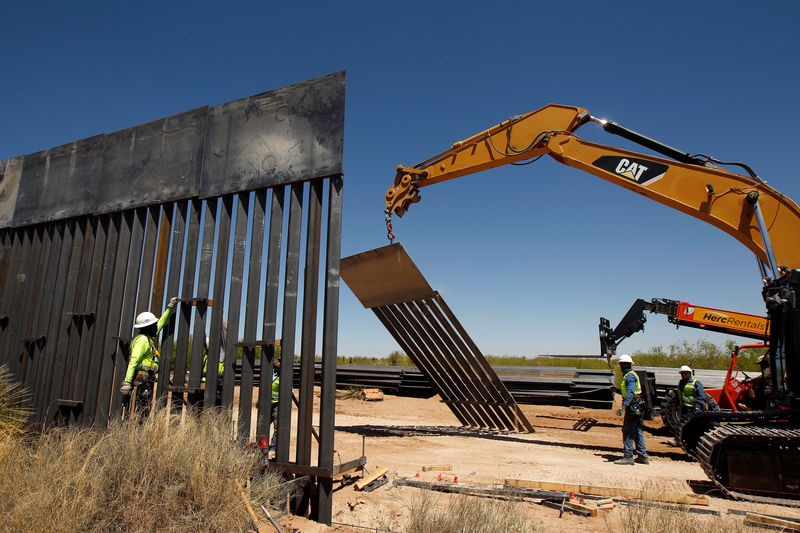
276 384
143 361
691 395
633 407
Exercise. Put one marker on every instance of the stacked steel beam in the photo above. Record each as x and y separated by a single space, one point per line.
528 385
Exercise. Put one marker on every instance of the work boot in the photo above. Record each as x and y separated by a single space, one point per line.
642 460
624 461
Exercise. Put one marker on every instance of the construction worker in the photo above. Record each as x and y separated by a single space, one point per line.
633 407
276 383
691 395
143 362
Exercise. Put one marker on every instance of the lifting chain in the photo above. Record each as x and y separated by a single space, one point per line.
389 233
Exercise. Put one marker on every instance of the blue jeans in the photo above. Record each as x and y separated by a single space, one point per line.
274 440
633 433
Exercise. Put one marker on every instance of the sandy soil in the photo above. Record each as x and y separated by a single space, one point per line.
555 452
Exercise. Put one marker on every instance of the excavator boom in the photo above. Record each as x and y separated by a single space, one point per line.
745 207
746 453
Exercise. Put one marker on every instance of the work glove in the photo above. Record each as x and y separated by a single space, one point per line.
125 389
620 410
172 302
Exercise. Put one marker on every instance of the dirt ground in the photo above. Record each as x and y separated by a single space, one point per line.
555 452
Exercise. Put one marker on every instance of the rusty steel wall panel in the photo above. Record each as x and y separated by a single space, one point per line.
309 331
12 295
250 330
86 311
10 174
277 137
184 311
202 294
290 134
420 321
6 253
103 313
128 305
35 338
274 237
60 182
64 235
95 231
289 321
110 345
60 340
175 219
330 329
234 297
25 343
153 163
218 310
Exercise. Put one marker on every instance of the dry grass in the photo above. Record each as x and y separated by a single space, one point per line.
14 405
164 473
466 514
351 393
642 518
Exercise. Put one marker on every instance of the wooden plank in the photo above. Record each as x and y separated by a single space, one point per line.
349 466
772 522
655 495
249 507
500 493
587 510
360 484
444 468
563 507
373 394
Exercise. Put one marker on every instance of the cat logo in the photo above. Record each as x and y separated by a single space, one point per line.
639 170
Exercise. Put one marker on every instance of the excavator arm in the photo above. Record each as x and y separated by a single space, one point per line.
758 216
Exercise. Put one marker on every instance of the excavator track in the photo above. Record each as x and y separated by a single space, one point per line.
751 456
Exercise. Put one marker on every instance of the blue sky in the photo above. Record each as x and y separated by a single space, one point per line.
527 257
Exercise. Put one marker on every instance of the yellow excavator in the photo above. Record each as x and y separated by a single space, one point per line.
750 454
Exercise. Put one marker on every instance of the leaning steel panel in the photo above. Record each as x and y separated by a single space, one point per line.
387 281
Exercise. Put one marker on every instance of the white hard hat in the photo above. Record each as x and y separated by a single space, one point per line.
685 368
625 358
145 319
